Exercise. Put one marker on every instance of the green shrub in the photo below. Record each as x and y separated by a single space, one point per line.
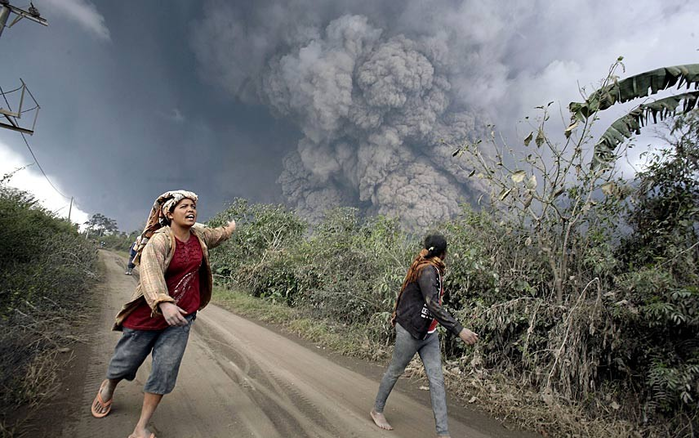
46 268
43 259
120 241
263 231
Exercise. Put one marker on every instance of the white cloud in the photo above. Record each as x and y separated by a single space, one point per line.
83 12
31 180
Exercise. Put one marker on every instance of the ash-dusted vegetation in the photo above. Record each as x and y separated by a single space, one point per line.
582 285
46 268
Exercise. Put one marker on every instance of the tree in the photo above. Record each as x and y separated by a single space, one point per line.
664 213
631 88
549 195
101 224
550 190
614 304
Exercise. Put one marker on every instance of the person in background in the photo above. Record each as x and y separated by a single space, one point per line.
132 254
418 311
175 283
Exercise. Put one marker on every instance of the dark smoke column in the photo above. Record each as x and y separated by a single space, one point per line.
372 110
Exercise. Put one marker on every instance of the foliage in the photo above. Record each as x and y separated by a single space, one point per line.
270 257
634 87
626 303
42 257
120 241
100 224
45 269
631 123
660 283
548 199
353 267
665 211
266 233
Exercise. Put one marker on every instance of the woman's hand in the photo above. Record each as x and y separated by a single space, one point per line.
173 314
231 226
468 336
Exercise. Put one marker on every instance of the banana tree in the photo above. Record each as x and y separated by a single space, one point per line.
635 87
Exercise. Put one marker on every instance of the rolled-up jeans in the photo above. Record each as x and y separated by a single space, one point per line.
428 349
167 347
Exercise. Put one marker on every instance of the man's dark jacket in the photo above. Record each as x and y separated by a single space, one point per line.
419 304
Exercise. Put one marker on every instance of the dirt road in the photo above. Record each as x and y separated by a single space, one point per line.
239 379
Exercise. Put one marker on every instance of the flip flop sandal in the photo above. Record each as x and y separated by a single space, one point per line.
99 403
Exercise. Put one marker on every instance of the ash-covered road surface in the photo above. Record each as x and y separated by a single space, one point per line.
239 379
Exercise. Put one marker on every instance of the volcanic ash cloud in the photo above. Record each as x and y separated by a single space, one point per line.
373 110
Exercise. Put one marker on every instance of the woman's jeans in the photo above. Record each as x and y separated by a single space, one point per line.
428 349
167 347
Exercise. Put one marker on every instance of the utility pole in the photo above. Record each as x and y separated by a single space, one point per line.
6 9
70 208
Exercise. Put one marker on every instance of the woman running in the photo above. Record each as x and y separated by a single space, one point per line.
175 283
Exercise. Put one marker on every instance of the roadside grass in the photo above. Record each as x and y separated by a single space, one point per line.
39 340
40 352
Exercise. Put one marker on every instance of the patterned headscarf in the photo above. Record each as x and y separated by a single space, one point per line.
158 216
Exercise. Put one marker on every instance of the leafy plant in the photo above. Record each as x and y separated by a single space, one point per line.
46 269
635 87
264 231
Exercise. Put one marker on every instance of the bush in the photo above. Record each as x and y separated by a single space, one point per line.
120 241
264 232
353 268
46 268
43 259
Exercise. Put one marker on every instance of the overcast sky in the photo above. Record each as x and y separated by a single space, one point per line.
309 103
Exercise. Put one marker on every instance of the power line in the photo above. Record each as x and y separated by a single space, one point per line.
32 152
40 168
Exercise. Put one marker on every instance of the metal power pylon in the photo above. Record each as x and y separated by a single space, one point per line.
6 9
11 116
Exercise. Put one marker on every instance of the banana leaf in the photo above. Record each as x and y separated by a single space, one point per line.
631 123
640 85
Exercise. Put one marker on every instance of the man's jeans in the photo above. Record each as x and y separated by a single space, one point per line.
428 349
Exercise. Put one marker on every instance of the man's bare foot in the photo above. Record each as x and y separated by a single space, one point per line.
380 420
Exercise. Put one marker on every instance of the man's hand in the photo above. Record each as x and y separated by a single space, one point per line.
231 226
174 315
468 336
